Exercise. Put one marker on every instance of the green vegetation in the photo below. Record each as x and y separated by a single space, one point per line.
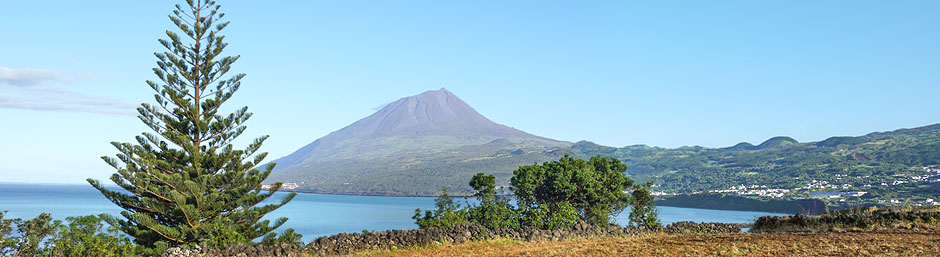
836 141
551 195
776 142
855 219
592 190
447 214
846 164
494 211
80 236
643 213
185 183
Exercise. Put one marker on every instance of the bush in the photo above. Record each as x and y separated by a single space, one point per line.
852 219
289 236
493 211
28 237
81 236
447 214
543 217
552 195
91 236
594 189
644 213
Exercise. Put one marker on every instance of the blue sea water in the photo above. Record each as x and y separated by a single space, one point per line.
312 215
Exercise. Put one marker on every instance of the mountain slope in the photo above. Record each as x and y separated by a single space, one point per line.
862 163
413 146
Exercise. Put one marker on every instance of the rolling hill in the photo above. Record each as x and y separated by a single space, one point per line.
887 165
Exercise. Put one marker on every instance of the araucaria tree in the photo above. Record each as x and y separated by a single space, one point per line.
185 182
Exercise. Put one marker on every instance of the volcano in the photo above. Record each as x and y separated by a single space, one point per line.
413 147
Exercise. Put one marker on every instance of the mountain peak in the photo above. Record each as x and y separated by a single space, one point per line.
424 139
443 92
777 141
433 112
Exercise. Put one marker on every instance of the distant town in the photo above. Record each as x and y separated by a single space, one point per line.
830 190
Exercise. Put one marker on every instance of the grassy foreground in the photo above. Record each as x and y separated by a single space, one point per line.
742 244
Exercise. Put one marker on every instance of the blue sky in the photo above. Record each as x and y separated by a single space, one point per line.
662 73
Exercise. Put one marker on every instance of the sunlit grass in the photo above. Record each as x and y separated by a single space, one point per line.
743 244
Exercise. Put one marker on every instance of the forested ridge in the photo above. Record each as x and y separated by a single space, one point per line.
896 158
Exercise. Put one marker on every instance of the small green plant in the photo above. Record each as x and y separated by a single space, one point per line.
493 211
448 213
79 236
643 212
25 237
91 236
288 236
857 219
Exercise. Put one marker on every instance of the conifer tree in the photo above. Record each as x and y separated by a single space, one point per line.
185 182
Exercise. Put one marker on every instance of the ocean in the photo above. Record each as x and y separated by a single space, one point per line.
312 215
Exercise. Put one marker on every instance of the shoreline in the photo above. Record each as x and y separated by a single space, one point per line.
737 203
659 202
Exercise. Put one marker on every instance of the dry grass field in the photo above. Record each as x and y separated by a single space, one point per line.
743 244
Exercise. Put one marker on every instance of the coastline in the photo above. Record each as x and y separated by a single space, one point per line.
695 201
382 194
737 203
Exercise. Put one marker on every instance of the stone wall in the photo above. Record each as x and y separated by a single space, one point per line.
688 227
346 243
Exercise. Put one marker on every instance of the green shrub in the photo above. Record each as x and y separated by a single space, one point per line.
288 236
447 214
857 218
551 195
26 238
493 211
544 216
91 236
643 213
594 189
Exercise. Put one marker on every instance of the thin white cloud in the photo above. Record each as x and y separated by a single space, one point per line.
84 103
31 77
29 89
380 107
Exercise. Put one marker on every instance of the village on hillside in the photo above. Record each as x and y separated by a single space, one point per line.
832 190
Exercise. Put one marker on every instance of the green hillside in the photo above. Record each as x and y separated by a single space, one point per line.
838 164
776 142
